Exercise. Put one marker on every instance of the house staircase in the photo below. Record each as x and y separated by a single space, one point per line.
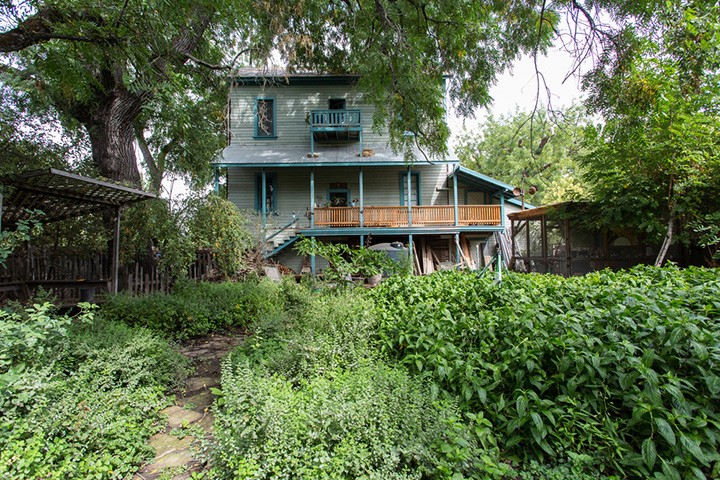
280 239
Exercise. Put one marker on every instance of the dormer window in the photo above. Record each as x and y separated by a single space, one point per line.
265 118
336 104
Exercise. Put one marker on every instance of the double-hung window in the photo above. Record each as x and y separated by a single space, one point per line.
265 118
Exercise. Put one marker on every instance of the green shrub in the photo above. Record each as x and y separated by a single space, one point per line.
372 422
196 309
309 396
217 224
622 365
85 403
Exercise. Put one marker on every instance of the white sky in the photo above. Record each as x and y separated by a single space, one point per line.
518 88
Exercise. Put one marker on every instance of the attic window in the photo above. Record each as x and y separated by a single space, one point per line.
265 118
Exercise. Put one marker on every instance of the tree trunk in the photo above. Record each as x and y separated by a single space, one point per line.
110 128
668 239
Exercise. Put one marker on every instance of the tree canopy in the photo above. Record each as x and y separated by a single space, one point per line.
530 150
655 164
130 70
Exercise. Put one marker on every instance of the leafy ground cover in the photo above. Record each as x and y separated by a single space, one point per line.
79 395
615 370
310 396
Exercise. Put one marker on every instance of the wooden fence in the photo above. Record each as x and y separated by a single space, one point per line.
72 278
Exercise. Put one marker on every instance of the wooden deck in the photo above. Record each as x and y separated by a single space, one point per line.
397 216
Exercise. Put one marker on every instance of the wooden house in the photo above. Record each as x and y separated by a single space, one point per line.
303 154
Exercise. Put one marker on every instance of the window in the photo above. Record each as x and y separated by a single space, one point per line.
270 193
339 197
336 104
265 118
414 189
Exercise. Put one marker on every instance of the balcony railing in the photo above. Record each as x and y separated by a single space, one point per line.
397 216
335 120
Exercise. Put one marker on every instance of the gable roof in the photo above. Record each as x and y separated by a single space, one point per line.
471 177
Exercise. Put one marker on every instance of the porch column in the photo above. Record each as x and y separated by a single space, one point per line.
408 191
410 251
312 257
116 253
312 197
263 199
502 209
458 257
455 199
216 180
362 202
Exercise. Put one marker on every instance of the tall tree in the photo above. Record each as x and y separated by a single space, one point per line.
527 149
655 165
117 67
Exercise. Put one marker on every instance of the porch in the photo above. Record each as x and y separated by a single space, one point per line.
402 216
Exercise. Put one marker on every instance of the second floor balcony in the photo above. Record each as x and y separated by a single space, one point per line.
335 125
337 120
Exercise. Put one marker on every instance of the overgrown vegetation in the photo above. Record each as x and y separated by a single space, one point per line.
79 395
620 368
196 309
310 397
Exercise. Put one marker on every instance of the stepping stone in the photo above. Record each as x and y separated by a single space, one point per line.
200 400
178 416
197 383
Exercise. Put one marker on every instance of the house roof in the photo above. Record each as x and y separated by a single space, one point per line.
59 195
538 212
299 156
471 177
282 76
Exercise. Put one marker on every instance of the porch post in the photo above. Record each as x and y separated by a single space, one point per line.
312 197
362 201
362 240
502 209
410 251
458 257
216 180
263 198
1 210
455 199
312 257
409 197
116 253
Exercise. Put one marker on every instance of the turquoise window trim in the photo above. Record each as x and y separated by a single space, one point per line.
270 178
403 182
256 118
339 190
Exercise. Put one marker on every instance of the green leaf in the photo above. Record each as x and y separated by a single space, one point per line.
713 384
649 454
665 430
671 473
521 405
693 448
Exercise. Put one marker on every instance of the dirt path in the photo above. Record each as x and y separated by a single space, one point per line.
190 417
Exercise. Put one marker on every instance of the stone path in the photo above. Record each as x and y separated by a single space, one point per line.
190 416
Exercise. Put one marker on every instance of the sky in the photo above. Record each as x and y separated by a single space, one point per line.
517 88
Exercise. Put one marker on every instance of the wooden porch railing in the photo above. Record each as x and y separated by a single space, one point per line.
335 119
397 216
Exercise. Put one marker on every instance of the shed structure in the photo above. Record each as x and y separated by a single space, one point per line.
60 195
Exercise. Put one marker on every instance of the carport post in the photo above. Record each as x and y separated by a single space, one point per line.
116 252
